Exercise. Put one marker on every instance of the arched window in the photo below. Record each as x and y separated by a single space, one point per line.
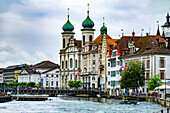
64 43
90 38
70 77
76 64
83 40
62 64
71 63
66 63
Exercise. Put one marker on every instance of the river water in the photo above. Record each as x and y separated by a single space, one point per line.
77 105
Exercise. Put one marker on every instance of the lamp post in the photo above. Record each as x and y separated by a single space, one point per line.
166 33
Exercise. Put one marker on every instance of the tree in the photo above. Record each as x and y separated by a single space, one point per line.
75 84
132 77
32 84
24 84
154 82
39 84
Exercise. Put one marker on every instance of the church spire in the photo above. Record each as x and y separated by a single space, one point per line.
158 32
88 9
68 14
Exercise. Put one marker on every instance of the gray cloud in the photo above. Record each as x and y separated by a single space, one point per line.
31 29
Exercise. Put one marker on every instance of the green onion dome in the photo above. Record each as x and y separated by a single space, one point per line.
68 27
103 29
88 23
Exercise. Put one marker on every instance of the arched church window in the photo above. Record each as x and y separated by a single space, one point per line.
76 64
66 63
62 64
83 40
71 63
64 42
90 38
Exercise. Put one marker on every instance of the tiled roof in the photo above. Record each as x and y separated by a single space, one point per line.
124 42
157 50
46 64
109 41
149 45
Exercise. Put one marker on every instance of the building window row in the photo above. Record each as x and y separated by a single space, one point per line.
113 64
113 83
113 73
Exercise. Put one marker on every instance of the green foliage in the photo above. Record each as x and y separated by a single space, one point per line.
24 84
32 84
120 97
75 84
132 76
39 84
154 82
164 102
109 96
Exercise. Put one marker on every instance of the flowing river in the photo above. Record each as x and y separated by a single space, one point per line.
78 105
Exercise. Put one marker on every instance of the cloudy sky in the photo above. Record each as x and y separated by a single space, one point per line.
30 30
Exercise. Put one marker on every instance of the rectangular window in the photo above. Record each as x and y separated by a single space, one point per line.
93 78
113 64
113 53
113 73
147 76
108 64
62 64
66 64
93 69
46 83
118 62
51 83
162 62
108 83
108 72
56 83
93 62
76 64
162 74
148 63
83 79
113 83
93 86
93 55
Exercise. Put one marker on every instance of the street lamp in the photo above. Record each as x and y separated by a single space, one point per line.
166 33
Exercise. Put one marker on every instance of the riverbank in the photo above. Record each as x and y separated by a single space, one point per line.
163 102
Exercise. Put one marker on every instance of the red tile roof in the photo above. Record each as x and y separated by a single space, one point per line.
46 64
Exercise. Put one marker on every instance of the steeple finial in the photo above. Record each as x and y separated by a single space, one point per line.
88 9
158 32
68 14
103 22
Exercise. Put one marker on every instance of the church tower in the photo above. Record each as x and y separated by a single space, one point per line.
68 32
87 31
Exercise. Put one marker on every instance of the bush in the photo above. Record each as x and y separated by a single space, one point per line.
109 96
75 84
120 97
